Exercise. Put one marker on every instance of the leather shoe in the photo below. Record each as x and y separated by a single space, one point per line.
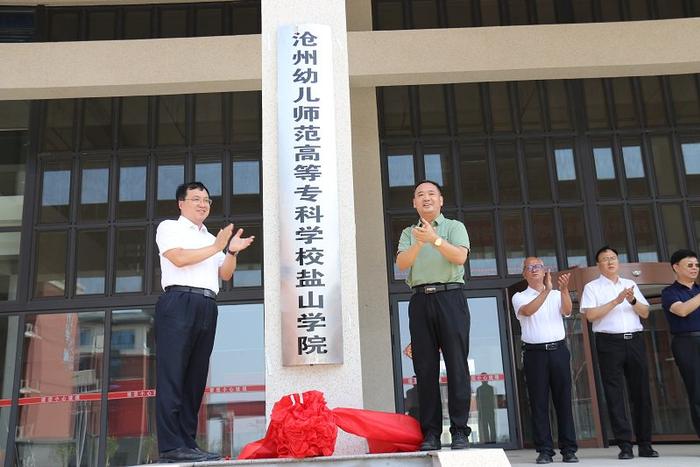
459 440
543 458
211 456
626 453
431 442
647 451
569 457
181 455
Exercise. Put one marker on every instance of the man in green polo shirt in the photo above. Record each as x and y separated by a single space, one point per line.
434 251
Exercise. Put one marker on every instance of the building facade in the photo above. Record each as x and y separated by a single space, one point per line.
554 127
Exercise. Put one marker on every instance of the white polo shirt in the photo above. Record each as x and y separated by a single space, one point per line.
620 319
182 233
546 324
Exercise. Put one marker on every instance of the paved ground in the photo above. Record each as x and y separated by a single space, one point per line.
672 455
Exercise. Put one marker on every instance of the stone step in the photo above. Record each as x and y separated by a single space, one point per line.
444 458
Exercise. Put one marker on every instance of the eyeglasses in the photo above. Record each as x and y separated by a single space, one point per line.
692 265
608 259
200 200
534 267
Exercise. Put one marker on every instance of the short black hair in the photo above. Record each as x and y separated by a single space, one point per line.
682 254
181 191
605 248
437 185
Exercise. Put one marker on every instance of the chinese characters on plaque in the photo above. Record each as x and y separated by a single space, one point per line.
308 184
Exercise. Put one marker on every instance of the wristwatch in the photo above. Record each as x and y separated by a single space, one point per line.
438 242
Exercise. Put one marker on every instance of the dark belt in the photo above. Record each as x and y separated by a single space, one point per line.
434 288
688 334
198 290
621 336
548 346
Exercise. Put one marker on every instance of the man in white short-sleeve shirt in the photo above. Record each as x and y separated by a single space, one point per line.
546 359
192 262
614 305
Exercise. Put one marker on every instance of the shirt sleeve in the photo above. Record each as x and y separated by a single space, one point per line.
518 302
459 235
405 240
167 236
668 298
588 299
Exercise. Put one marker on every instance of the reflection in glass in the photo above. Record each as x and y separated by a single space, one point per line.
684 92
468 108
398 223
653 100
55 194
433 117
500 107
62 356
91 262
14 141
475 176
529 106
664 166
131 422
171 120
625 111
132 189
396 111
559 115
58 128
97 123
247 116
9 265
208 117
234 418
171 174
644 233
249 265
130 260
605 172
508 173
537 171
94 190
482 255
695 219
8 357
513 240
247 197
612 218
50 280
691 161
596 109
634 169
574 237
438 168
566 170
207 169
674 227
401 176
133 125
545 237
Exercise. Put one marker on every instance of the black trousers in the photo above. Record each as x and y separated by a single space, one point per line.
545 371
623 361
440 321
686 351
185 326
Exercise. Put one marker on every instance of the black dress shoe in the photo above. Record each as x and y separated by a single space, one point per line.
431 442
181 455
543 458
569 457
459 440
626 453
647 451
211 456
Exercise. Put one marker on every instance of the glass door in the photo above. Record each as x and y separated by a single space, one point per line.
492 409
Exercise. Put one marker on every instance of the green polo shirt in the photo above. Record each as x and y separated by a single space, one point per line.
430 267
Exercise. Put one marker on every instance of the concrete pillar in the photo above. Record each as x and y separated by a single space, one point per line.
341 384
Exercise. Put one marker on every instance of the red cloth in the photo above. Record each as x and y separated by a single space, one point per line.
301 425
